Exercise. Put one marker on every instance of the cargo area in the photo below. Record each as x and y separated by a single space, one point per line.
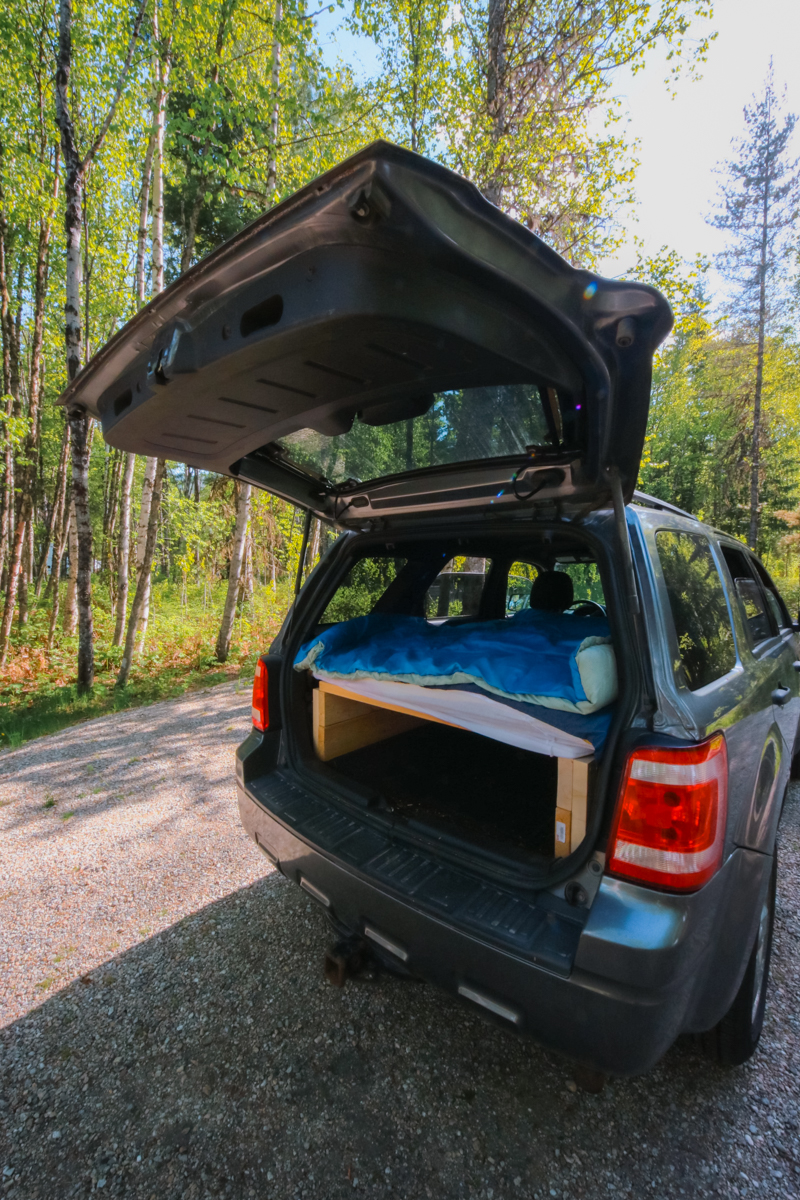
455 757
469 787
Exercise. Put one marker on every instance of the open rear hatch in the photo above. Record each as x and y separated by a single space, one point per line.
386 341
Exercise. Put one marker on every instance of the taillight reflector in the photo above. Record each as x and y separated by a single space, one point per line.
260 697
669 827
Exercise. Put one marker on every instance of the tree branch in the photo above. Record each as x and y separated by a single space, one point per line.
104 128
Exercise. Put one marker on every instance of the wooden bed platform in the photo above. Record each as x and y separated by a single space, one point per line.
344 723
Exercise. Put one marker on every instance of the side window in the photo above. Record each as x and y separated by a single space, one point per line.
518 589
362 588
457 589
777 607
751 596
697 602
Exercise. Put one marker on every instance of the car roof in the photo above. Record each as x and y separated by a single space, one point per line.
654 512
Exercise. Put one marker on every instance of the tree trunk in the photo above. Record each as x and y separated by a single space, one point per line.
272 165
14 569
78 420
71 602
144 202
495 94
75 175
312 557
144 509
123 569
140 612
237 555
143 612
142 586
79 438
157 223
56 512
7 511
755 453
55 575
24 574
114 462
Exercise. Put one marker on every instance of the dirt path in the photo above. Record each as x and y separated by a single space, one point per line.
167 1032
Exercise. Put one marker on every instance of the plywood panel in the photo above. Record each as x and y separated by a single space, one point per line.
575 777
342 725
338 689
563 842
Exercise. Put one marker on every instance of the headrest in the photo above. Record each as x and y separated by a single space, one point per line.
552 591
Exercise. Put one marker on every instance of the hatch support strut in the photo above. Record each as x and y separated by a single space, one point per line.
624 538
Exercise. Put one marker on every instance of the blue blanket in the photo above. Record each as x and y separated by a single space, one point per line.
529 657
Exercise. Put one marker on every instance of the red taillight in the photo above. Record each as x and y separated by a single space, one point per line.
670 823
260 697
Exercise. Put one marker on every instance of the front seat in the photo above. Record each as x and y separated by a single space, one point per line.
552 591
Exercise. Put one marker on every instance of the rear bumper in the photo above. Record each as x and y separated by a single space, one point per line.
642 968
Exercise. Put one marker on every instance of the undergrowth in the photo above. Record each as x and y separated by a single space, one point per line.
38 693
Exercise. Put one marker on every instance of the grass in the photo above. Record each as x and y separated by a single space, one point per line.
38 693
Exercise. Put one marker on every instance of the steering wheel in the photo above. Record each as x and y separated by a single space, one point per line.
587 608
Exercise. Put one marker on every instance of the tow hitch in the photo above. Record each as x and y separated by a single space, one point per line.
344 959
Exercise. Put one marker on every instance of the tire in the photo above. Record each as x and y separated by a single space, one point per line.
735 1038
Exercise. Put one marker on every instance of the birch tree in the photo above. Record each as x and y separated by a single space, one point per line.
223 646
76 166
143 582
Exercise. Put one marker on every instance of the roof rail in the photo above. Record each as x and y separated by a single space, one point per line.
665 506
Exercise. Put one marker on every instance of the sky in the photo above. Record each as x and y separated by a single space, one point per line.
681 140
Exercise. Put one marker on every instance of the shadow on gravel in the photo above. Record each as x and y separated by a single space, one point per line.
213 1060
109 757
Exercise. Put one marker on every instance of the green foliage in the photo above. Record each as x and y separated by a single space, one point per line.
361 589
525 108
37 690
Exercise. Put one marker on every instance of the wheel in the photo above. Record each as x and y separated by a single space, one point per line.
735 1038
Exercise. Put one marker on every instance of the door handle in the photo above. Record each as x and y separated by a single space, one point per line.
781 695
796 664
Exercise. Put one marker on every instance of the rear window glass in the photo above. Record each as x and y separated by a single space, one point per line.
362 588
456 591
457 426
697 602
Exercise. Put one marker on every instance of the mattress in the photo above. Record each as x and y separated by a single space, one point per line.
489 716
558 661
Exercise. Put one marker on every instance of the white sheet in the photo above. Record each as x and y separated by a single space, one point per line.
467 710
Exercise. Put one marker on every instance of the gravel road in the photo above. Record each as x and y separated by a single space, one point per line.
167 1031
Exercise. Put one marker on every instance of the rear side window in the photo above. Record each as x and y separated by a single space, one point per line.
761 617
774 599
362 588
697 602
518 589
456 591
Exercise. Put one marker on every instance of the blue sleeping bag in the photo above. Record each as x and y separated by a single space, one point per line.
558 660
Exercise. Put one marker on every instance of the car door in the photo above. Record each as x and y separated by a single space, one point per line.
764 719
787 697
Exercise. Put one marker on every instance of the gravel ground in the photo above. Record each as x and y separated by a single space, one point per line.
168 1032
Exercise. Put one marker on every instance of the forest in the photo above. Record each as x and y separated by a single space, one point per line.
138 135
